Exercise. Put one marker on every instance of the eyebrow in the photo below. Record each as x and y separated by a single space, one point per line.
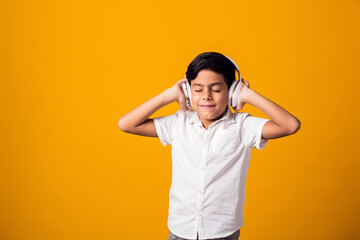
213 84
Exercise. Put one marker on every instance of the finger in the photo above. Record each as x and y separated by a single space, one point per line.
181 81
236 108
245 82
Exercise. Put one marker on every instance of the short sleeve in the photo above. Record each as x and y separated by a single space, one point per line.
251 131
166 127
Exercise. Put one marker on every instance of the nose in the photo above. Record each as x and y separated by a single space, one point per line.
207 95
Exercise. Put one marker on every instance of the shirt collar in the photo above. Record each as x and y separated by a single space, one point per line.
228 116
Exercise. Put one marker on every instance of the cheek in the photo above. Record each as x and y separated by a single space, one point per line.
194 97
224 98
227 96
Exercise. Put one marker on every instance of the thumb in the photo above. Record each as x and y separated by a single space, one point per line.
239 106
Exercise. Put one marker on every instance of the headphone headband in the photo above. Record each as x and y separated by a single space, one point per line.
237 69
234 89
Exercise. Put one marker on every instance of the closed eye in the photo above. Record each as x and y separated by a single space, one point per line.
199 90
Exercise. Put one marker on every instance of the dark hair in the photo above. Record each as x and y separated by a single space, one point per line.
213 61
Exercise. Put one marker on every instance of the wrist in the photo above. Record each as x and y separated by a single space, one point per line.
247 95
168 96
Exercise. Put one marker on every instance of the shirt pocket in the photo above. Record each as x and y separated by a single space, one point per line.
223 142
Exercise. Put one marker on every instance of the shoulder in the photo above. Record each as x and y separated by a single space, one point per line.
187 114
179 115
239 117
184 115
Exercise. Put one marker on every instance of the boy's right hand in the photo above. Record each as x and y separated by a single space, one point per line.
137 121
176 94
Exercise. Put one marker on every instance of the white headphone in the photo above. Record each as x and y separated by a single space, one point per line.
234 90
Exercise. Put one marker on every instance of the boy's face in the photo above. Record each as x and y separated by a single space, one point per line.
209 96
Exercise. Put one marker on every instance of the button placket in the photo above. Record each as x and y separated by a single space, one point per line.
200 198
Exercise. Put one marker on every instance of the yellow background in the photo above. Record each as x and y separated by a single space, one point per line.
70 70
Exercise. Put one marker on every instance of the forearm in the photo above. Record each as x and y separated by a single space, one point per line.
141 113
279 115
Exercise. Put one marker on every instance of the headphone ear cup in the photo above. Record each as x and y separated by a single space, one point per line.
187 92
234 91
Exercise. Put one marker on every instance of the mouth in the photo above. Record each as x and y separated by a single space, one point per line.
207 106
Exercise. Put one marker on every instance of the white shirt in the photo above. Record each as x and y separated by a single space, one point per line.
209 169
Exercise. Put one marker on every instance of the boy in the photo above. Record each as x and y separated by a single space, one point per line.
211 146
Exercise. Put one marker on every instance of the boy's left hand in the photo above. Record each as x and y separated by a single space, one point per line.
242 95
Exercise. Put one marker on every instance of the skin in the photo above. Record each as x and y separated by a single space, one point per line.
209 94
